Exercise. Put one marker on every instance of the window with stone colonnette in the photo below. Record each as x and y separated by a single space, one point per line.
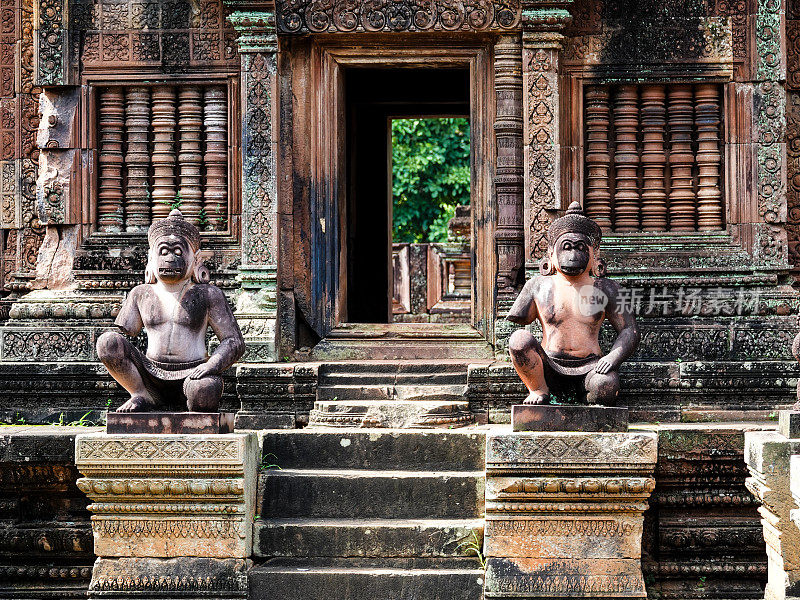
161 147
653 157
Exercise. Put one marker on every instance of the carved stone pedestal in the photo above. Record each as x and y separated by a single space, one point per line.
172 514
768 455
564 513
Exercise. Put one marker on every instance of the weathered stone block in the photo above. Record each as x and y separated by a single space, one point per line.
789 423
564 513
170 422
165 496
525 417
768 456
167 578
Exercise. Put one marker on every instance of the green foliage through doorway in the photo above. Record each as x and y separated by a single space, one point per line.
430 176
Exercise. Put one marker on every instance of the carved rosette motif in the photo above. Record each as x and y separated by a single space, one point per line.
770 130
793 177
564 513
51 43
344 16
164 496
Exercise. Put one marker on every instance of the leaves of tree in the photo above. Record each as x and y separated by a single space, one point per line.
430 176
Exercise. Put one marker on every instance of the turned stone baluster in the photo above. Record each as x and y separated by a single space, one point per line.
681 158
215 123
190 158
112 121
654 194
137 159
707 120
164 191
598 156
626 159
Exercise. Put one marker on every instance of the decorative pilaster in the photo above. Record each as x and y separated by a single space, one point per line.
172 514
541 51
257 306
769 126
564 513
768 455
509 235
51 47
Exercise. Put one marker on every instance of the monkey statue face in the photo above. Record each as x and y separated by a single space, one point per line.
572 254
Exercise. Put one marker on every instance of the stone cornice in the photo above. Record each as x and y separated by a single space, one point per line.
256 30
541 15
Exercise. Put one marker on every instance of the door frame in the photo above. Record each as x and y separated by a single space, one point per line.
329 56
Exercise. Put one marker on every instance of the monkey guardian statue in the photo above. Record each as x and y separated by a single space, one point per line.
571 298
176 306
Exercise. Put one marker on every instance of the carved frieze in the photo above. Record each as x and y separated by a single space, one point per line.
170 35
315 16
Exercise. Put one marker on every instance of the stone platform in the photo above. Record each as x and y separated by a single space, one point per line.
172 514
564 513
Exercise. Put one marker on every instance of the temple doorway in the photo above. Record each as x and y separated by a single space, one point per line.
407 244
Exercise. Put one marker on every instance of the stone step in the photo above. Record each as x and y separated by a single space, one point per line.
393 373
381 449
351 538
401 414
422 392
370 494
356 579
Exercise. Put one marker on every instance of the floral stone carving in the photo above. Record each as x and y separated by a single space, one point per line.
166 496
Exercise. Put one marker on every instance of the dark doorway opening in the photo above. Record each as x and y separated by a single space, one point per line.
373 98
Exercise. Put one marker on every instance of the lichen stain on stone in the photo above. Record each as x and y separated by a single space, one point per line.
653 31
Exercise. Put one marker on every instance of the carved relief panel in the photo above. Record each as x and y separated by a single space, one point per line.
19 155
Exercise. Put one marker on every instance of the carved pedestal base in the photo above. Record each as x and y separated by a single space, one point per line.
546 417
564 513
768 455
186 498
170 422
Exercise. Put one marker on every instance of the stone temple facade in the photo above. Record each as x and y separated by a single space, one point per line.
675 123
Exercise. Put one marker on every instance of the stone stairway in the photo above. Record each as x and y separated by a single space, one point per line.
369 514
393 394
